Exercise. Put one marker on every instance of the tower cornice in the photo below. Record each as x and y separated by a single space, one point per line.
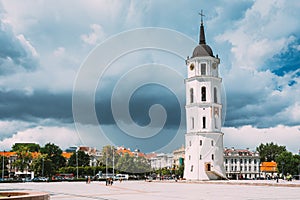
202 78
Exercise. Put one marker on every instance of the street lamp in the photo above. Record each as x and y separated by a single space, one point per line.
282 163
42 167
3 165
77 164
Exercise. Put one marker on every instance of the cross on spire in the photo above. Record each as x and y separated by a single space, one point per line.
202 15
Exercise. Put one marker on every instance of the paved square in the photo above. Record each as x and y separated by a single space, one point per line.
136 190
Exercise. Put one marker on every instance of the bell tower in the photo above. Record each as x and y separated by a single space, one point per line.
203 139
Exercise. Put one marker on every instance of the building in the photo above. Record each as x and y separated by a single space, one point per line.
94 154
203 139
161 160
268 170
178 157
241 163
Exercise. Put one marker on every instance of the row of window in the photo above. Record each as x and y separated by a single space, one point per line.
241 168
200 142
203 95
241 160
200 157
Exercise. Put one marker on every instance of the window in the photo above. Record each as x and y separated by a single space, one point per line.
203 69
192 168
191 95
212 143
215 95
231 161
189 157
226 161
231 168
235 168
212 156
200 142
241 161
235 161
254 161
193 124
249 160
254 168
203 93
200 157
190 143
226 168
204 122
249 168
241 168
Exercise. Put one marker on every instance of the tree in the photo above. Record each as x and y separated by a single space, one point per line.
288 163
83 159
23 158
31 147
109 153
54 155
269 151
41 165
131 164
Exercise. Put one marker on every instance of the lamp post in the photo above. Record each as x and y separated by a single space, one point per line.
106 161
299 172
42 167
3 165
77 164
113 152
282 163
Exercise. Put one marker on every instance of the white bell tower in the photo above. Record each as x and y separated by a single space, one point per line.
203 139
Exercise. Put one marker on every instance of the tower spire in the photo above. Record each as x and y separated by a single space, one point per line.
202 34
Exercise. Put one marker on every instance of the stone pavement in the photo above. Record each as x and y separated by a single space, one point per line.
136 190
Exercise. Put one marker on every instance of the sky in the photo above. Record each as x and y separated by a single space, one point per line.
137 100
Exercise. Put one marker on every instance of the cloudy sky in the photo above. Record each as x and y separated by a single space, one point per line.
45 44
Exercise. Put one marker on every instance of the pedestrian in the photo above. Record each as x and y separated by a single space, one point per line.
106 181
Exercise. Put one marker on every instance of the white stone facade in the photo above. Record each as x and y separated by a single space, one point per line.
241 164
161 160
204 139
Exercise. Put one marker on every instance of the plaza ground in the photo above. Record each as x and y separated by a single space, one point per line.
136 190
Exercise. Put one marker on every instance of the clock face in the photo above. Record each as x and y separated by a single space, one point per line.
192 67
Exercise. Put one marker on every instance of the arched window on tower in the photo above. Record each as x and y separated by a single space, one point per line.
203 69
203 93
204 122
215 95
191 95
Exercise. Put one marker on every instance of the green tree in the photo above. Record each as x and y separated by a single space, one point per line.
23 158
41 165
126 164
83 159
31 147
288 163
109 153
54 158
131 164
269 151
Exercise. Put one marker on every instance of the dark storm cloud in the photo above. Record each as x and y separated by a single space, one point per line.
15 52
16 105
139 105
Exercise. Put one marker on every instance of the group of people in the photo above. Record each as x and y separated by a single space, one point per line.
109 181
